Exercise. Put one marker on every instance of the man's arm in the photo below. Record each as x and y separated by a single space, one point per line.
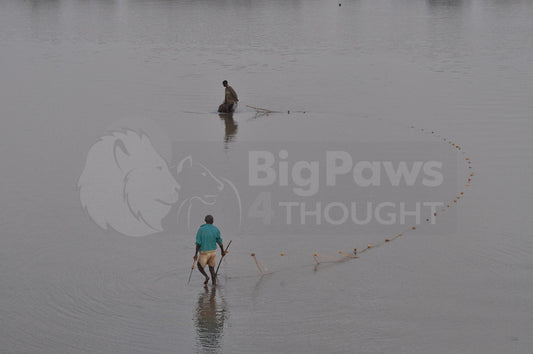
219 242
234 94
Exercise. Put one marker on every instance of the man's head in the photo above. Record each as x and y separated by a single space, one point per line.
225 83
209 219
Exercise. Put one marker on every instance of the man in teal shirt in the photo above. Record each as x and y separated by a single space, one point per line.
207 238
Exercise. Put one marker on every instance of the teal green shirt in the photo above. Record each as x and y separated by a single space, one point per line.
207 237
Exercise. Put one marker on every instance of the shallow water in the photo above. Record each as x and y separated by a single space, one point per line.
364 72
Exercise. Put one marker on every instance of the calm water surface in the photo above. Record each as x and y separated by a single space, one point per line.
363 71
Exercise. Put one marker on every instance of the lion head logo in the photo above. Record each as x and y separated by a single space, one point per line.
126 185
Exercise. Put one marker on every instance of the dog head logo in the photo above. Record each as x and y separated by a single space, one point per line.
201 184
203 193
126 185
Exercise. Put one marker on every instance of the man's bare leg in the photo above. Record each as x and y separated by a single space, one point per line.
213 275
201 269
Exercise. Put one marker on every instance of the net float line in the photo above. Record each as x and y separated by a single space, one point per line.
326 258
459 148
456 199
323 258
267 111
348 255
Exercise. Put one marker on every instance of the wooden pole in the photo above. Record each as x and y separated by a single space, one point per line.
257 263
192 268
220 262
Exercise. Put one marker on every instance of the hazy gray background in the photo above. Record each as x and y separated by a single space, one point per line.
367 70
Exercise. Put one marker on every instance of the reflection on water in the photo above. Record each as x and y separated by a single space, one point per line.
445 3
231 128
209 320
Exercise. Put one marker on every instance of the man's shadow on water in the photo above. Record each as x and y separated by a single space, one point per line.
209 321
231 127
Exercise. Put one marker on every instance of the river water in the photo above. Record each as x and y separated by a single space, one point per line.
357 72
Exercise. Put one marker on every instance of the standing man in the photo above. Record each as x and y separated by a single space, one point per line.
207 238
230 96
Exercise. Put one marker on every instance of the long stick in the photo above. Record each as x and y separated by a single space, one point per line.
221 258
192 268
257 263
